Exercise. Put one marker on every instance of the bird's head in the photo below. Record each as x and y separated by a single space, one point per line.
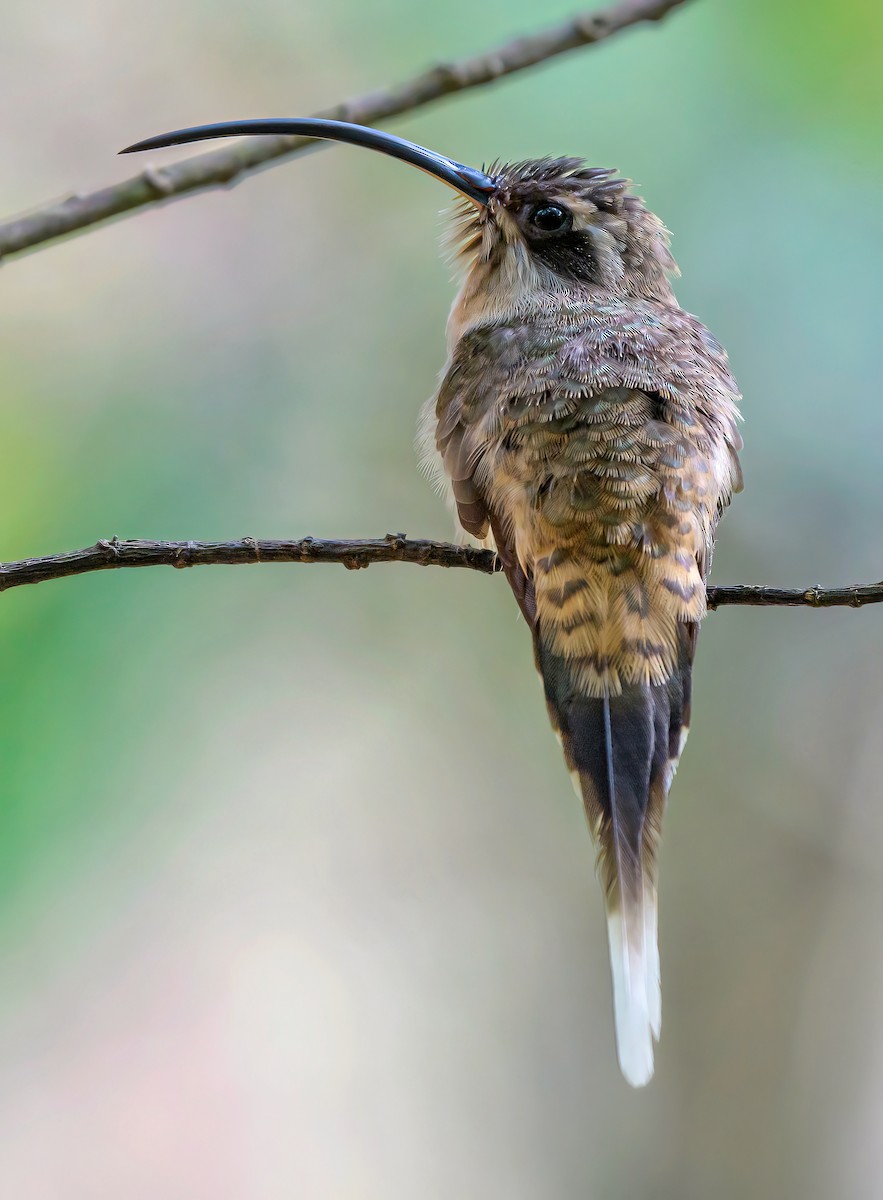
521 231
557 225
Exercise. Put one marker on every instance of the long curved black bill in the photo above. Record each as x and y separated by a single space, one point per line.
472 183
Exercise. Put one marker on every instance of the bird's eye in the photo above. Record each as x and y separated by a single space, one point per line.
551 218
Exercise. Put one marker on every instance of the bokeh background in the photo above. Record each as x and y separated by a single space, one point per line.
295 897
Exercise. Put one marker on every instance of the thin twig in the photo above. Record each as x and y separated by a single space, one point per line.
232 162
111 554
855 595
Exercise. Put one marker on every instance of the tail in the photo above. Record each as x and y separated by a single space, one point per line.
622 751
631 916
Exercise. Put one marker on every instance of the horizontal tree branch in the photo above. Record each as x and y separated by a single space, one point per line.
112 554
229 164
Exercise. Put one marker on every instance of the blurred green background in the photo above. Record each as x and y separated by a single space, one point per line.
295 897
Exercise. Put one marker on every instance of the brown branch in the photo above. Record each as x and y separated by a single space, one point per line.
855 595
112 554
232 162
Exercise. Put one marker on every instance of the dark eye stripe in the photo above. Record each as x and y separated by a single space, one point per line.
570 254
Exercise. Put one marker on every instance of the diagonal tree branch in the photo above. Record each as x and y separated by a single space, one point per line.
113 554
231 163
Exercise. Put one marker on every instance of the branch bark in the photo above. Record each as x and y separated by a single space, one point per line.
112 554
226 166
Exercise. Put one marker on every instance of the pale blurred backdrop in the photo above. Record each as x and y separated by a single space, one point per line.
296 899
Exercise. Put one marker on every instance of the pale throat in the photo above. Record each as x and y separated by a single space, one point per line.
506 286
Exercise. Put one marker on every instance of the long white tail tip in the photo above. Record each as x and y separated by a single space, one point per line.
651 962
633 966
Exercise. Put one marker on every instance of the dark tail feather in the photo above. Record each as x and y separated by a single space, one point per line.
623 749
618 792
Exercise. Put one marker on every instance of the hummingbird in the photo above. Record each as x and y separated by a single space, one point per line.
585 427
